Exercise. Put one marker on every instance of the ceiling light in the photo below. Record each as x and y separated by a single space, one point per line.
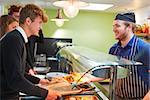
94 6
59 20
71 7
71 11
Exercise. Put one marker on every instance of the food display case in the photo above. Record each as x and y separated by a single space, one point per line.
84 60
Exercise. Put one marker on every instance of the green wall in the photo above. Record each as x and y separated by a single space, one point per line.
89 28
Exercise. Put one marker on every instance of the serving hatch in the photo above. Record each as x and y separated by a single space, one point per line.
85 60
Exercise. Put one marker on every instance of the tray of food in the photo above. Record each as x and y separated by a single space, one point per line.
63 83
81 98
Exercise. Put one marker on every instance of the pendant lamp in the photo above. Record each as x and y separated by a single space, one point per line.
70 7
59 20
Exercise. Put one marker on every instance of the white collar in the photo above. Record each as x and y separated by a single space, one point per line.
3 36
20 29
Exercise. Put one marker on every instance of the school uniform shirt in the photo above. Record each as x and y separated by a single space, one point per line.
12 68
135 85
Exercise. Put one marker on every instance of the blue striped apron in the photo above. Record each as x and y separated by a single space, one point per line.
132 86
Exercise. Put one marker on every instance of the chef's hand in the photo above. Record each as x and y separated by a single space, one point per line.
44 81
53 95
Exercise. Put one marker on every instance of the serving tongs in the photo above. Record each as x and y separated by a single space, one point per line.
84 92
88 89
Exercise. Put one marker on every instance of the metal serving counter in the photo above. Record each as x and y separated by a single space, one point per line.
83 59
